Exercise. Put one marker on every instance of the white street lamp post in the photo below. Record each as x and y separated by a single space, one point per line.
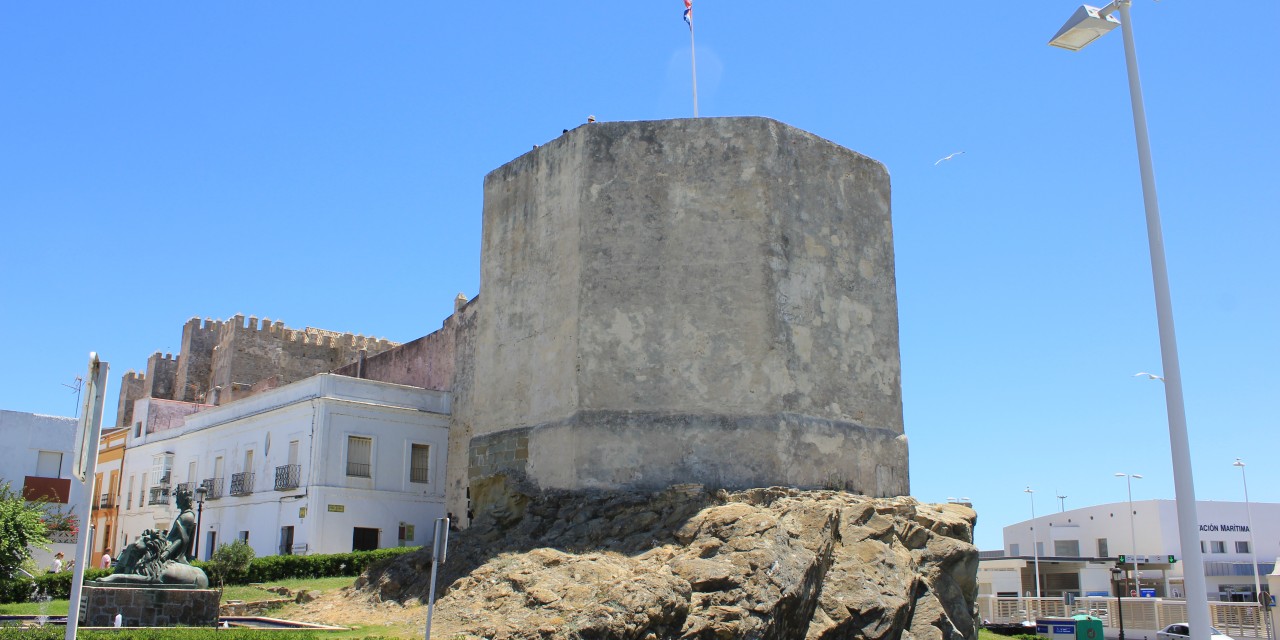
1085 26
1133 535
1248 512
1035 550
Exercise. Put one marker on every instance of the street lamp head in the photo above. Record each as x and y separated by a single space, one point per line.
1121 475
1028 490
1136 475
1086 25
1238 463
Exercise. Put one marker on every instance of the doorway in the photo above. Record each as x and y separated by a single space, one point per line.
286 541
364 539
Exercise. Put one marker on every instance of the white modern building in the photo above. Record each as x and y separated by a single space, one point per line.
325 465
36 461
1077 549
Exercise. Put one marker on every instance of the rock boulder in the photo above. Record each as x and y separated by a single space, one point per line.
771 563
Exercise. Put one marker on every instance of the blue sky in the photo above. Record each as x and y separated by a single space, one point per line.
321 163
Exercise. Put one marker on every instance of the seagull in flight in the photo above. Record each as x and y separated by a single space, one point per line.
942 160
1150 376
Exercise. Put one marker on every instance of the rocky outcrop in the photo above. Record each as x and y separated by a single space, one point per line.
684 563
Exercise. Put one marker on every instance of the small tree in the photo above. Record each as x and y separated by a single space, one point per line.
230 562
22 528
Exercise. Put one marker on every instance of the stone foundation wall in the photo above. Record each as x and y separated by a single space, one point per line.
148 607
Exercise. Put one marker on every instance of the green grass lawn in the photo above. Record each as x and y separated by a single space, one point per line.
255 592
50 608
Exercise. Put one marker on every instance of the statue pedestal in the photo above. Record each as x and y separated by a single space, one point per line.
149 606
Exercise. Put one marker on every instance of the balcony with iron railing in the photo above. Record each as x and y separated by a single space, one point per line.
158 495
104 502
242 483
188 487
213 488
288 476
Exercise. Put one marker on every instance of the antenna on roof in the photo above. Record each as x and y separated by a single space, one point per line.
75 386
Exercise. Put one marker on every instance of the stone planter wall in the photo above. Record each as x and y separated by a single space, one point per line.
148 606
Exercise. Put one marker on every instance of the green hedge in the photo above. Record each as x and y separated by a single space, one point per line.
324 565
54 585
264 569
273 568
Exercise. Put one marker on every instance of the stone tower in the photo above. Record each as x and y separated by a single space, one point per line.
702 300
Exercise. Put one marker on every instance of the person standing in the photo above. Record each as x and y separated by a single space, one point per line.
106 558
57 562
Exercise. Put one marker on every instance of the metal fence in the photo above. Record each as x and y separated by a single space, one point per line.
1236 619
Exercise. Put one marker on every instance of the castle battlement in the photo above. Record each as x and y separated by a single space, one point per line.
208 325
238 353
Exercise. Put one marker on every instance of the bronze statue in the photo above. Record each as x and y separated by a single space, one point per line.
156 558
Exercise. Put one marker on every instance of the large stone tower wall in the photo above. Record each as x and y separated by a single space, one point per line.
707 300
198 340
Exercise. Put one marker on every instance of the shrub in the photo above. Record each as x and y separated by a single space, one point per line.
22 528
230 562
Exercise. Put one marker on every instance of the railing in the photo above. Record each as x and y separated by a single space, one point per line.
242 483
1236 619
104 502
288 476
62 537
189 487
419 474
359 470
158 495
212 487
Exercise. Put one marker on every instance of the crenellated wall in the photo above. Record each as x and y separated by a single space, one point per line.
198 340
132 387
162 376
222 361
248 352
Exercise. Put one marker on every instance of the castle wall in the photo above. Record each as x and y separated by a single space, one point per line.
196 363
166 415
162 375
708 300
461 419
248 353
132 386
427 362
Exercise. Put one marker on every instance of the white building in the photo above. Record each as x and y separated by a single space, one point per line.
325 465
36 461
1076 550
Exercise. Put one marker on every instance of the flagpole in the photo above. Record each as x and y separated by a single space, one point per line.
693 56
